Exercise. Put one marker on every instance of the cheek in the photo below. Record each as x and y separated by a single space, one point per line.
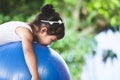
44 41
48 41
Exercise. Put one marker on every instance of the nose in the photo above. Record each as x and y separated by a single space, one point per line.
51 41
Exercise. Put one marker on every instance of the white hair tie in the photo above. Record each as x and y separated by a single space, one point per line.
52 22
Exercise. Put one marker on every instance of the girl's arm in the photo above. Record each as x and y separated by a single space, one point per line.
29 55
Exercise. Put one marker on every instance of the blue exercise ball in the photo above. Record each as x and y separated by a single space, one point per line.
51 65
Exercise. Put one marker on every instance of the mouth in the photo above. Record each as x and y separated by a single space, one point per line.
47 44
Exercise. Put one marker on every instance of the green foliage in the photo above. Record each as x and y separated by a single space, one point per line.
109 9
18 10
4 18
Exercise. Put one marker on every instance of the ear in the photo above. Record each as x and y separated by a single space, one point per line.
43 30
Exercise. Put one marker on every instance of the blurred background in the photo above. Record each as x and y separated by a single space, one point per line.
91 46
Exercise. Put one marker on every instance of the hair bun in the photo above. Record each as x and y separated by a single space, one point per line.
48 10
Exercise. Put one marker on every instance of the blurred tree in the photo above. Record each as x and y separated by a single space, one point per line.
19 10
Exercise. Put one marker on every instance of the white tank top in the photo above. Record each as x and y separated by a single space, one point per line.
7 31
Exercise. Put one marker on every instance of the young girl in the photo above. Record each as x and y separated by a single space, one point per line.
46 28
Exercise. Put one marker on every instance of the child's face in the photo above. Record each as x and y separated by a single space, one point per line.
44 38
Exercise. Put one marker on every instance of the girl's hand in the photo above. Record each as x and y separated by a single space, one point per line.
27 39
35 78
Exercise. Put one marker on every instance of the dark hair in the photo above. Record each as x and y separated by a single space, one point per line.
49 14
